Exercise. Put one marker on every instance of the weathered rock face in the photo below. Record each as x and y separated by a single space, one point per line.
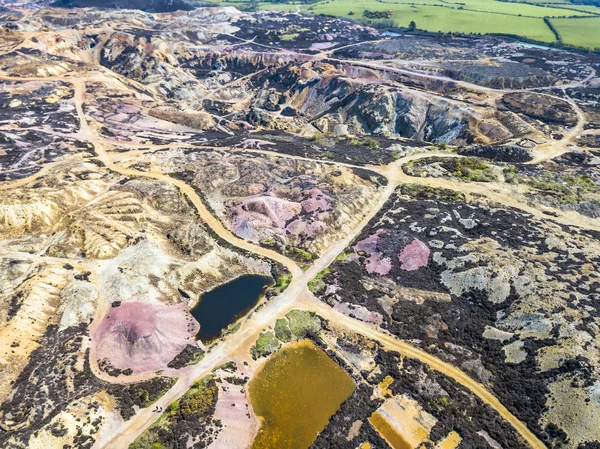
144 5
500 153
504 75
388 111
541 107
309 93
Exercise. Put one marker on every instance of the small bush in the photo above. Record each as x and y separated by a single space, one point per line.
303 323
282 330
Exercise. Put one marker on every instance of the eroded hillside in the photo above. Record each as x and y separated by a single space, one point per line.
424 210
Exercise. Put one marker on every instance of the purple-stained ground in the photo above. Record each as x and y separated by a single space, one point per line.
413 255
300 214
143 337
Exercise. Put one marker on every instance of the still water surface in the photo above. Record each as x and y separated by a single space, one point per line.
298 389
227 303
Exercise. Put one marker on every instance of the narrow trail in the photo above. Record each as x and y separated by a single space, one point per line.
296 295
204 214
291 298
393 343
498 192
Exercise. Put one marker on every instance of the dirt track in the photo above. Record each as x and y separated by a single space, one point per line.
297 294
294 296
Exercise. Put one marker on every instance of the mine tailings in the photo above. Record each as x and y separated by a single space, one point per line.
295 393
224 305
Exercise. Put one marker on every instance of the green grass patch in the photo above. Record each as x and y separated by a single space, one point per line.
316 284
471 170
367 142
303 323
518 18
583 33
289 37
301 256
555 187
283 281
265 345
465 168
282 330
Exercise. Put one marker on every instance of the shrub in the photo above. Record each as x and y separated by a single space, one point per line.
282 330
266 344
303 323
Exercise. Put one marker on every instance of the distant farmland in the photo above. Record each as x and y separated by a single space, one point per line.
575 25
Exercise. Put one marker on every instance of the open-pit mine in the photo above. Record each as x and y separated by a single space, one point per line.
226 230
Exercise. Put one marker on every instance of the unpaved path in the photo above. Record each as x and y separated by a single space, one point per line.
393 343
296 295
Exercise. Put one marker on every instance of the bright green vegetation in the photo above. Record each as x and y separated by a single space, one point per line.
282 330
342 256
472 170
289 37
519 18
190 355
192 411
449 19
143 394
283 281
367 142
314 285
579 32
227 366
465 168
294 35
199 355
301 256
233 328
295 394
428 193
557 188
297 324
286 7
266 344
198 400
303 323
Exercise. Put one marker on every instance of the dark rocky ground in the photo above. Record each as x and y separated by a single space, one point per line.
490 269
455 408
57 376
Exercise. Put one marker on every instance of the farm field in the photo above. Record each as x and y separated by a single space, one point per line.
579 32
223 228
524 19
444 19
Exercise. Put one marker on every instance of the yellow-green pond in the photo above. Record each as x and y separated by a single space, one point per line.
295 394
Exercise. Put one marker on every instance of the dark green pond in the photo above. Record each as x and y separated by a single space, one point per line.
227 303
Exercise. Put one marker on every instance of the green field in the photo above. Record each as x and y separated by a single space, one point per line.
579 32
467 16
432 18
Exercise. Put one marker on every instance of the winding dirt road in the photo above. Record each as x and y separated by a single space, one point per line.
297 294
